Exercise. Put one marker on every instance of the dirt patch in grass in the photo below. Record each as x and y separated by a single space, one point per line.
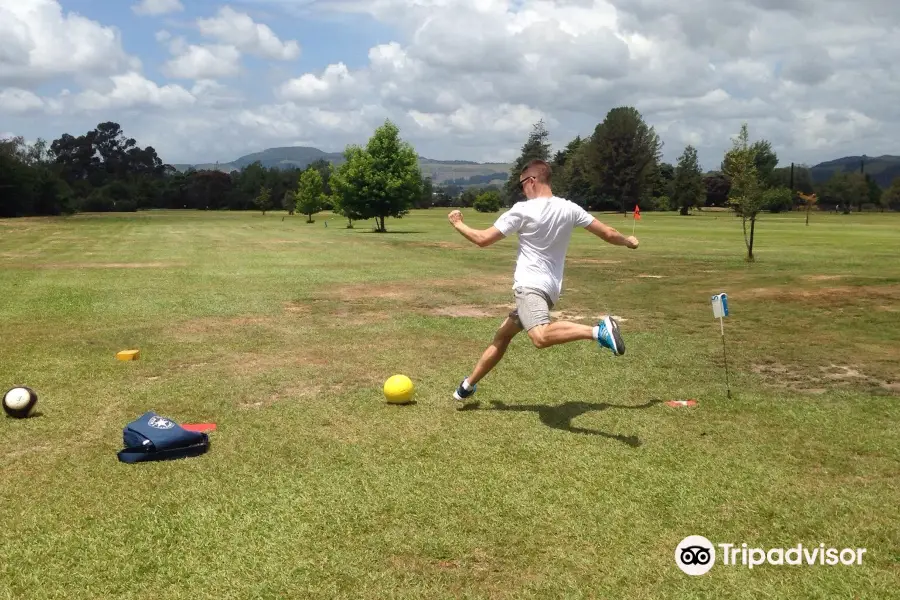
823 295
103 265
822 277
412 289
464 311
296 308
502 310
344 316
29 254
822 378
446 245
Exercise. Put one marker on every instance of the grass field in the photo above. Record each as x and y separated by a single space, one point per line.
571 479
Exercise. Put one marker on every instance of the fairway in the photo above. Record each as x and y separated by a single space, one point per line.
571 477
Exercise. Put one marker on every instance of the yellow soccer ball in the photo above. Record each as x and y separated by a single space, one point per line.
399 389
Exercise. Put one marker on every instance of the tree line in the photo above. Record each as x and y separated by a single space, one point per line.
619 167
105 171
615 168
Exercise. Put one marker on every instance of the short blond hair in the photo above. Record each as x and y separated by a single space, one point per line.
538 169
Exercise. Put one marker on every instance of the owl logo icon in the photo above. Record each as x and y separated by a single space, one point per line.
695 555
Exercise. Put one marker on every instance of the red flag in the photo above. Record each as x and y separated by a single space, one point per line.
637 212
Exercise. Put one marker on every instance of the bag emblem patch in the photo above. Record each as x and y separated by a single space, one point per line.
160 423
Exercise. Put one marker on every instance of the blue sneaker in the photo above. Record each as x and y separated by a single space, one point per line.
462 393
609 336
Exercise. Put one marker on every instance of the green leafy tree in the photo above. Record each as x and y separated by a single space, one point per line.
662 184
845 189
488 201
535 148
624 157
426 200
577 185
560 174
289 202
777 199
799 181
765 160
310 194
688 189
467 198
874 192
745 194
263 200
891 196
349 184
393 178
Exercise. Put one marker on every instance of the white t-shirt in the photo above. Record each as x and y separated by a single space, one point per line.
544 226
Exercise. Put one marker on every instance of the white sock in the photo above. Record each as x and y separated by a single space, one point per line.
466 385
596 331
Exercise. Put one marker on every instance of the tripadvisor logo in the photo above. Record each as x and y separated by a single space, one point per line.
696 555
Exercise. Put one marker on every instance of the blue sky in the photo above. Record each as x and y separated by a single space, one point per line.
324 37
463 79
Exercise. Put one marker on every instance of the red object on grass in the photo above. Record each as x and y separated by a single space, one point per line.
201 427
678 403
637 212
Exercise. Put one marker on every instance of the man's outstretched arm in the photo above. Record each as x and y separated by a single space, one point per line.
479 237
610 235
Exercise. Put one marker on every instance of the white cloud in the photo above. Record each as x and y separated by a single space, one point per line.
239 30
203 62
468 78
312 89
132 90
40 43
157 7
16 101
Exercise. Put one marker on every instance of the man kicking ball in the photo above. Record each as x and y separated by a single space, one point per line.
544 223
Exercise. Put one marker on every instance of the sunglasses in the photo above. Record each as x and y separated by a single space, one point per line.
522 181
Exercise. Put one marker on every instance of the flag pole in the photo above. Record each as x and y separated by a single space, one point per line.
720 311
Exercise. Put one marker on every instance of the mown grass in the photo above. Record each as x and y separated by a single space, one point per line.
570 479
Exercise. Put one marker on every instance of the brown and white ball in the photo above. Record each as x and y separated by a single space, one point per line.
19 402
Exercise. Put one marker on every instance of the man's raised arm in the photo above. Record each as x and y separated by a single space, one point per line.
610 235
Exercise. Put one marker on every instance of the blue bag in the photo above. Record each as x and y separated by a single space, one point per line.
152 437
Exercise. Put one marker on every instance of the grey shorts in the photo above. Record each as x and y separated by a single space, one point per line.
532 307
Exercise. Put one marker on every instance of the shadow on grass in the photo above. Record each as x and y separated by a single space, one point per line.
560 416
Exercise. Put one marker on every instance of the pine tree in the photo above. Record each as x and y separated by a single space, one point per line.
688 189
536 148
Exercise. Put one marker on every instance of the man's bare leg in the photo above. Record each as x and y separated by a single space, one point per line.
496 350
489 358
559 332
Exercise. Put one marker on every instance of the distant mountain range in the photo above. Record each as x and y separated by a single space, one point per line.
883 169
440 171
